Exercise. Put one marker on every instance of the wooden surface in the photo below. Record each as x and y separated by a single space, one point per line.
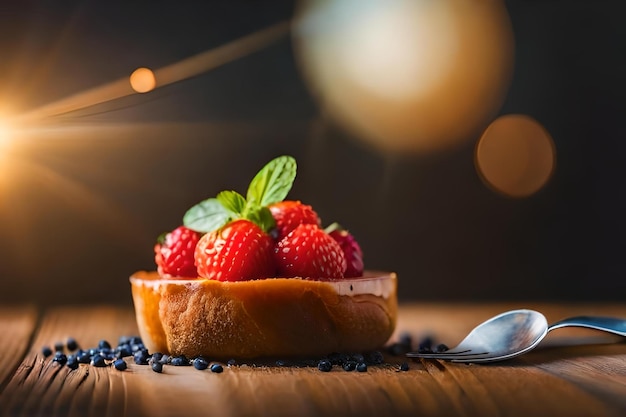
560 378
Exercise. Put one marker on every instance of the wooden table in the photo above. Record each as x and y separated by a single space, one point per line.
560 378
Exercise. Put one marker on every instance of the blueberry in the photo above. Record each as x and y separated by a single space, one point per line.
157 367
349 366
60 358
137 346
141 357
179 361
135 340
217 368
231 362
98 361
165 359
200 363
46 351
357 357
92 351
123 351
58 346
324 365
338 358
71 343
156 356
406 340
281 363
426 345
103 344
404 366
120 364
361 367
123 340
72 362
83 357
398 349
441 348
375 357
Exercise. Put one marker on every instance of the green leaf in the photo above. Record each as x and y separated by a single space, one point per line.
207 216
263 218
232 201
272 183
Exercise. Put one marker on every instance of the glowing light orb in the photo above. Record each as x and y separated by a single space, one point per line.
406 74
515 156
142 80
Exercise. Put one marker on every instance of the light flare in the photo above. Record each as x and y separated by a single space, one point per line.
515 156
406 75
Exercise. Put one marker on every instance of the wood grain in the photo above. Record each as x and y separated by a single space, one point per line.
561 378
16 328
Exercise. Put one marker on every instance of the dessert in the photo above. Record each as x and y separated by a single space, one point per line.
258 276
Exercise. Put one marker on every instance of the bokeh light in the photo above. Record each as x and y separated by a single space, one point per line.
142 80
406 74
515 156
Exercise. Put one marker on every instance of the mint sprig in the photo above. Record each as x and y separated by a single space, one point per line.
270 185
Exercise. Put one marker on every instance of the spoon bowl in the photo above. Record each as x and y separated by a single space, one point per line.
513 333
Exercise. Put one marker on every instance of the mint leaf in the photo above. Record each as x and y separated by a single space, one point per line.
232 200
207 216
262 217
272 183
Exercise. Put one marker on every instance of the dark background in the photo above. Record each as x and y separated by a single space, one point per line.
85 208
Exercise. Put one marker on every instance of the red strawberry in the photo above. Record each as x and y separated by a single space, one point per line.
351 250
290 214
238 251
174 255
309 252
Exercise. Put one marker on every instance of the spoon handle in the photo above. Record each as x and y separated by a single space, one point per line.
606 324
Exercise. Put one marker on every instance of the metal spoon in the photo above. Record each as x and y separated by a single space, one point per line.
513 333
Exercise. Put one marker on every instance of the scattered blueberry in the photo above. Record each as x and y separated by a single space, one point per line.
200 363
217 368
60 358
165 359
98 361
357 357
46 351
281 363
156 357
72 362
58 346
103 344
71 344
324 365
83 357
157 367
123 351
406 339
404 366
141 357
361 367
231 362
441 348
349 366
426 345
375 358
120 364
179 361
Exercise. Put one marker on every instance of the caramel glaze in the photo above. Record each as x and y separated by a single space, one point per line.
274 317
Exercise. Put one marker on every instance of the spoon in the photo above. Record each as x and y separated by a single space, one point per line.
513 333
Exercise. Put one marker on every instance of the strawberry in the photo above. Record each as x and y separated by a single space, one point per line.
174 253
238 251
309 252
290 214
351 250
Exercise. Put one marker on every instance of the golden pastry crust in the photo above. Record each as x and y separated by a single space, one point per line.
274 317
